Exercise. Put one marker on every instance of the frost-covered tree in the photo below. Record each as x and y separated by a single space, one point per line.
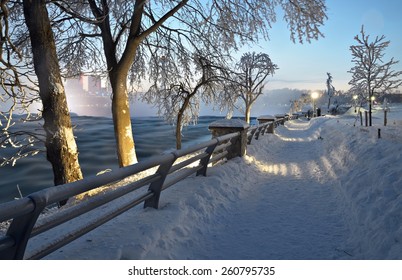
17 90
330 89
248 80
20 87
372 76
177 90
132 33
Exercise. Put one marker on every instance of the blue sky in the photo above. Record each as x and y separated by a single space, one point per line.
304 66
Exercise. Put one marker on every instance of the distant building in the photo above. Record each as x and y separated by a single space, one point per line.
88 95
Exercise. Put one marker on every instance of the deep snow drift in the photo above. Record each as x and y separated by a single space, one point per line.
319 189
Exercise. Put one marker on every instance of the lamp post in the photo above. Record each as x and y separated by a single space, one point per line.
314 96
355 101
372 99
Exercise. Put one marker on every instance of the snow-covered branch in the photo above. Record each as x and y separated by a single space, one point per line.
370 73
372 76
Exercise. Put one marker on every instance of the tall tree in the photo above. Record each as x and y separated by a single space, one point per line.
330 89
248 80
371 74
61 148
132 32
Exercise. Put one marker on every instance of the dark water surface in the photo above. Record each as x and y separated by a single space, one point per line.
96 145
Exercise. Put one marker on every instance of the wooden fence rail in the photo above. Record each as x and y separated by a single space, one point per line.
164 171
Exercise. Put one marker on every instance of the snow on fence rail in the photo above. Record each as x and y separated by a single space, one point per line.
163 171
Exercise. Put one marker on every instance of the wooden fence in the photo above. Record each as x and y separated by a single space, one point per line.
165 170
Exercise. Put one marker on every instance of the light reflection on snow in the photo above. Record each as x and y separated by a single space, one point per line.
281 169
322 170
313 137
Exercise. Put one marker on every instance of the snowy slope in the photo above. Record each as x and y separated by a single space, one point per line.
319 189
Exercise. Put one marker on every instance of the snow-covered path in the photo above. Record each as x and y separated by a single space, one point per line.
319 189
291 212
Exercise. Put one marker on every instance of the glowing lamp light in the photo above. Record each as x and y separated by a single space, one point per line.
355 100
314 95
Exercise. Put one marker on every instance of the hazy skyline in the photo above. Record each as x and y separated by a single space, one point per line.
304 66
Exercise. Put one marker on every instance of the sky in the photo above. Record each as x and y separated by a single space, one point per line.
304 66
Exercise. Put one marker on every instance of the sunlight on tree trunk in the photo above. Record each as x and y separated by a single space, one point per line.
248 114
122 123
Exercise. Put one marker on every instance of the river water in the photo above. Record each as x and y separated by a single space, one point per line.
96 145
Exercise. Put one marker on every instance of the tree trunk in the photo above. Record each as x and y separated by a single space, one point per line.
118 72
248 103
61 148
179 121
121 119
370 111
178 130
248 113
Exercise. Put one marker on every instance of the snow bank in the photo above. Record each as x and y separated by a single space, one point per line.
370 184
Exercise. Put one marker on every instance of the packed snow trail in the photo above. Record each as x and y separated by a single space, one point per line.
291 212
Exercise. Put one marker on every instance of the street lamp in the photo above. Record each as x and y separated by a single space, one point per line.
355 101
371 101
314 96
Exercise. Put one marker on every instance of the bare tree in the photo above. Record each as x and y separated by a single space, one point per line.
17 93
248 80
178 91
371 75
130 33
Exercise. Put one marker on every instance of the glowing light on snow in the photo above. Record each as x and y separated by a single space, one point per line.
282 169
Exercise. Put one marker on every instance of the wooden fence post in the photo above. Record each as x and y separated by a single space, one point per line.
156 187
385 117
265 119
21 228
205 160
225 126
366 117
